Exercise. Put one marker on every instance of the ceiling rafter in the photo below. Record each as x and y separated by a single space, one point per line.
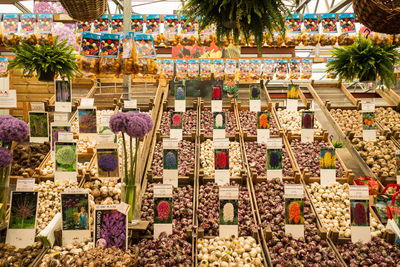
301 5
339 6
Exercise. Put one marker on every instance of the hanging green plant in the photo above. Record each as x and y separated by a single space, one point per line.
47 61
365 61
233 17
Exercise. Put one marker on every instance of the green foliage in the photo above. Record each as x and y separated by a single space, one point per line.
365 61
58 58
338 144
232 89
232 17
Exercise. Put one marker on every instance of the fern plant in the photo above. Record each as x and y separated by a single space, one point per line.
235 17
364 60
45 60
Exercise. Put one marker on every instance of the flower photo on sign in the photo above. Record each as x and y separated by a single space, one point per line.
307 120
176 120
216 93
359 212
110 229
221 159
65 157
107 163
75 211
255 92
87 121
274 159
263 120
294 211
368 120
23 210
228 212
38 124
219 120
170 159
163 210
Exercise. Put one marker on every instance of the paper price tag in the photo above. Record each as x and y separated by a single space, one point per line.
37 106
293 191
130 103
4 112
87 102
8 99
162 190
255 105
25 184
229 192
292 104
216 105
368 107
74 190
228 212
65 137
123 208
61 117
359 192
105 138
105 119
274 143
221 143
170 143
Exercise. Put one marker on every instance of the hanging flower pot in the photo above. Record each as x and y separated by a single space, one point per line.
85 10
47 76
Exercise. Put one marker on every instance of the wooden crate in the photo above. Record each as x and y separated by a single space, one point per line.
232 107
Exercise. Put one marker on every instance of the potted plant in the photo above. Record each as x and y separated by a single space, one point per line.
46 61
231 89
365 61
250 18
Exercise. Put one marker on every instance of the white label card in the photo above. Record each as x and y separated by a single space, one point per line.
71 190
4 112
105 119
292 104
219 133
130 103
180 105
123 208
262 136
170 143
359 192
369 135
222 177
368 107
170 177
255 105
65 137
272 174
105 138
229 192
216 105
25 184
398 179
307 135
37 106
163 209
87 102
176 134
228 198
63 106
162 190
221 143
274 143
8 99
328 176
293 191
62 117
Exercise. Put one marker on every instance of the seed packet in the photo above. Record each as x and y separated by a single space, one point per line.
205 69
347 29
137 23
396 67
268 69
219 69
153 24
109 49
328 30
244 68
90 51
168 68
128 56
144 46
330 75
28 24
206 36
45 29
171 23
293 34
255 69
249 42
102 24
181 69
310 36
83 26
159 67
10 29
188 31
396 39
294 67
230 68
193 69
382 38
306 68
3 67
117 23
281 69
275 39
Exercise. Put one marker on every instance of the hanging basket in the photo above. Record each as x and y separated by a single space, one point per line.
47 76
85 10
379 16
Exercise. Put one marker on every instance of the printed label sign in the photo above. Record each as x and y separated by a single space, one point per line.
162 209
294 210
228 211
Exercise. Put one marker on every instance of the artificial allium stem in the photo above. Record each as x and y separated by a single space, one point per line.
136 161
126 158
131 181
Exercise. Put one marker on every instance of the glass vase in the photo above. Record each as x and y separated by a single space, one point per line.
130 197
3 202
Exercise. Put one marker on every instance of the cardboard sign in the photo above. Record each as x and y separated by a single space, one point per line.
75 217
219 124
162 209
66 159
107 161
328 166
360 217
8 98
294 210
176 125
21 227
221 163
87 102
180 98
105 236
228 211
25 184
63 92
38 127
263 125
170 161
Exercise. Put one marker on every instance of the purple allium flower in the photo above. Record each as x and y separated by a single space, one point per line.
108 162
170 160
12 129
6 157
148 119
137 126
118 122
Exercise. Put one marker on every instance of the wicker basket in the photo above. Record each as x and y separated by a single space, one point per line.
85 10
379 15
